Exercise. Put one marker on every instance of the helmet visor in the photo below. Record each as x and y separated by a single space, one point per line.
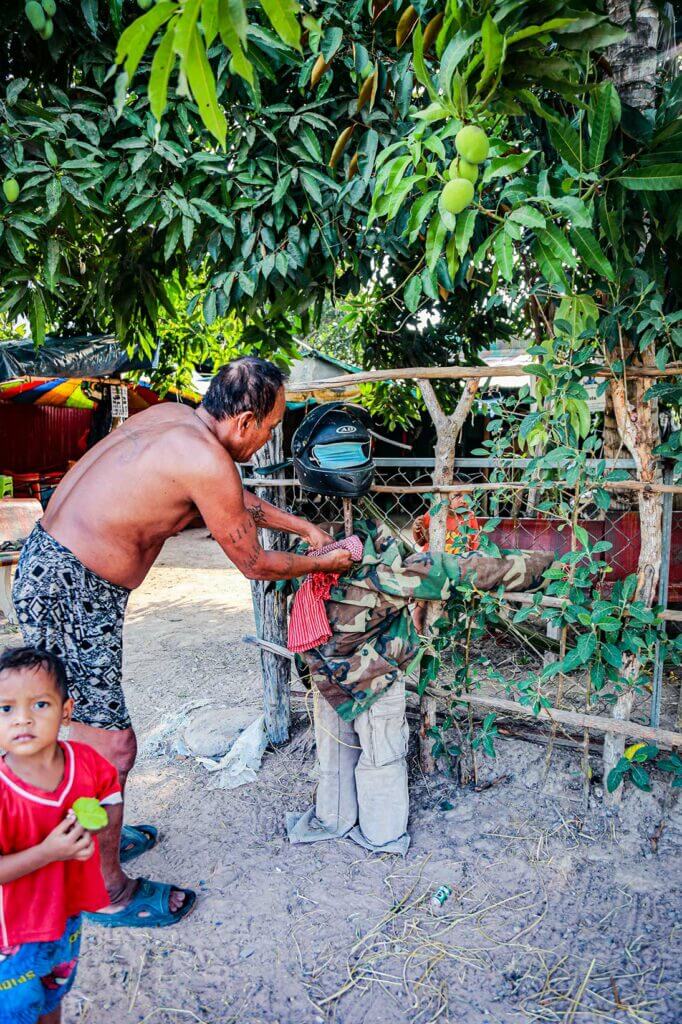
343 455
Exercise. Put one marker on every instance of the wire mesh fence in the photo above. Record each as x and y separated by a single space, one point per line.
521 526
507 649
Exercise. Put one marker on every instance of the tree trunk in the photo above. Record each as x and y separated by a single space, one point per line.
270 611
634 59
448 429
638 426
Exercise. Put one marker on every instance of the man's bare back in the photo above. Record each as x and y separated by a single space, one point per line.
133 490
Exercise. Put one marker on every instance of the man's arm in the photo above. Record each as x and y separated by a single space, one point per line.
266 515
216 489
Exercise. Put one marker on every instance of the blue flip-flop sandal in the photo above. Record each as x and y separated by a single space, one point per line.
136 840
149 908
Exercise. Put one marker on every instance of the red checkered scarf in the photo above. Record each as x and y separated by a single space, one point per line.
308 622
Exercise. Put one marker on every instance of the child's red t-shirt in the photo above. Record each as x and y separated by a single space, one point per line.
454 541
35 908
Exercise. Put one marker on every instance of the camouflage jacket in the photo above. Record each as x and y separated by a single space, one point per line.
373 636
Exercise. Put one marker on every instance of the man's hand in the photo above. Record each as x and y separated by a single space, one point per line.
334 561
68 841
315 537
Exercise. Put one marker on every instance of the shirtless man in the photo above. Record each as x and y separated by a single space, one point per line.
105 525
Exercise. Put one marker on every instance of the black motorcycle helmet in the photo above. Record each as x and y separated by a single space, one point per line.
332 451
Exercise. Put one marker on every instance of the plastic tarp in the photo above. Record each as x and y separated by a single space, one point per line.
85 356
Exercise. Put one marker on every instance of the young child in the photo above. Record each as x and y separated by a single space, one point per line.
459 515
49 864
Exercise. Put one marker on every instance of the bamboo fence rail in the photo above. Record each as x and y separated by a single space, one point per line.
467 373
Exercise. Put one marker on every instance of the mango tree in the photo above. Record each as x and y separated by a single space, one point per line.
112 205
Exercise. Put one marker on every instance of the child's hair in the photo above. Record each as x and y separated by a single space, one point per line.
32 657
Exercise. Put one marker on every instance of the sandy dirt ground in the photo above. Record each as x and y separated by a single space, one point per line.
557 915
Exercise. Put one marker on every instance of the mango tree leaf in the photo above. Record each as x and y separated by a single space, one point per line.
419 64
137 37
494 44
209 306
589 250
457 48
549 264
115 12
452 257
600 125
367 151
419 212
502 166
311 143
171 240
464 230
162 65
537 30
15 245
528 216
213 212
202 84
412 292
594 38
282 15
184 30
331 41
51 262
434 240
90 9
572 207
504 255
567 142
560 244
311 187
656 178
53 195
37 318
232 28
209 20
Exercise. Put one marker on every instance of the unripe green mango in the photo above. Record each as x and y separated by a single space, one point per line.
457 195
472 143
10 187
35 14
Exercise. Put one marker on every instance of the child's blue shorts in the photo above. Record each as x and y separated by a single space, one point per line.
35 977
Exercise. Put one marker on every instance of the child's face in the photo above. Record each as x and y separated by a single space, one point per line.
31 711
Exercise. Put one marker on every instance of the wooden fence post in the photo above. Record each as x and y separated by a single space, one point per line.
448 429
270 611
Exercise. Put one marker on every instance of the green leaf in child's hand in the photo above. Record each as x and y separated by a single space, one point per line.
90 813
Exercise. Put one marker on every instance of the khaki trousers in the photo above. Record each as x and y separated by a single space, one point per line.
362 791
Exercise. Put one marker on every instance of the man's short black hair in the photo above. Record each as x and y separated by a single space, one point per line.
32 657
244 385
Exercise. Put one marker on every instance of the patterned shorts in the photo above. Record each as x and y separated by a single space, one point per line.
69 610
35 977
